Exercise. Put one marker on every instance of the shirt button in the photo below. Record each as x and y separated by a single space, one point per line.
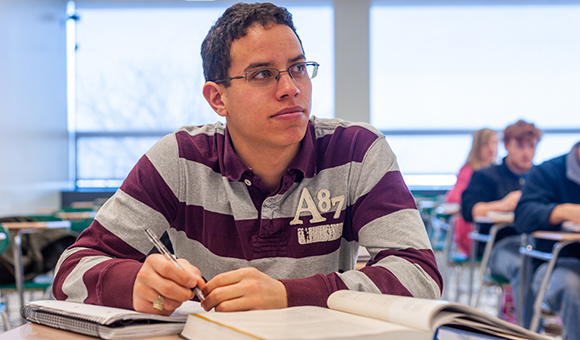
248 182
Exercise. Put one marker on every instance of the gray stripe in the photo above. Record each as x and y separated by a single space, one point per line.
211 265
378 160
412 277
164 156
65 254
328 126
215 193
74 286
127 218
357 280
395 231
207 129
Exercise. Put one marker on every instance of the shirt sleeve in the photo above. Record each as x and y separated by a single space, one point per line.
102 265
537 202
481 188
385 220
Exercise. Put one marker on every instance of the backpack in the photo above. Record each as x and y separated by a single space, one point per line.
40 251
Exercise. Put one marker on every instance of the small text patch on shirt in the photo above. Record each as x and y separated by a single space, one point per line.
322 233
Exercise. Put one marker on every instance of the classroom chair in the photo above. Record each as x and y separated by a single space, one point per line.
485 278
528 251
4 240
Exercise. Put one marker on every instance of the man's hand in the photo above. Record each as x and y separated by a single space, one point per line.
159 276
244 289
565 212
510 201
507 203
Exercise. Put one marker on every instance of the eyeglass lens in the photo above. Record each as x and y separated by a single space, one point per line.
266 77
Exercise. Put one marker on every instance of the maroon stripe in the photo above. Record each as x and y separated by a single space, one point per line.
353 143
100 243
200 148
388 196
247 239
421 257
103 242
312 291
139 185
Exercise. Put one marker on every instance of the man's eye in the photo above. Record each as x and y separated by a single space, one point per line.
261 74
299 68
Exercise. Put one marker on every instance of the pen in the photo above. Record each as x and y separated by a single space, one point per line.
163 250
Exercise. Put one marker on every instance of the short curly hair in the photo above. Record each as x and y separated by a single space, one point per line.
521 131
232 25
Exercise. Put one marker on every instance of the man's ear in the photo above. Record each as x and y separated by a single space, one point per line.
213 94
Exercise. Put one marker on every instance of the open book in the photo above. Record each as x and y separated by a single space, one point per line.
106 322
356 315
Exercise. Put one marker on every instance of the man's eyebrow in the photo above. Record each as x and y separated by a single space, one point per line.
256 65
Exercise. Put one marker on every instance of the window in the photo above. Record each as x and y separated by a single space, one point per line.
442 70
139 77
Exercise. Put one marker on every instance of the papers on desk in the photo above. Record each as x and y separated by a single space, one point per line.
354 315
497 216
107 322
571 227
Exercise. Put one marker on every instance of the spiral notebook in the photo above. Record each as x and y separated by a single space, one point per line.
106 322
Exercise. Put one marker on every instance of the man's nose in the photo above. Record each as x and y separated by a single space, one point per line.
286 85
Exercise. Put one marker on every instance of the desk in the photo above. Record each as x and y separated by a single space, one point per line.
16 230
562 239
76 215
32 331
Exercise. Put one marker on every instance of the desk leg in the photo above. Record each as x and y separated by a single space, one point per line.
18 268
523 279
472 256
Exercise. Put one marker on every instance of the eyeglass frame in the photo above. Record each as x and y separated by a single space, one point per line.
245 76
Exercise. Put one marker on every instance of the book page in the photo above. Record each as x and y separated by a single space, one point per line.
99 314
402 310
423 314
188 307
305 323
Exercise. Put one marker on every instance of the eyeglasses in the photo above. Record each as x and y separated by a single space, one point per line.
267 77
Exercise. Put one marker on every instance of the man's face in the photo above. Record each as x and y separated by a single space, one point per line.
266 117
520 154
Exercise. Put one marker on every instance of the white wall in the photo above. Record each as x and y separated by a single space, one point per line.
33 117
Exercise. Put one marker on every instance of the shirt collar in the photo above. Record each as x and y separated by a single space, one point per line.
573 165
304 161
233 168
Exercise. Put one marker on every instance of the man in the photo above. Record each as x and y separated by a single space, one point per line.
269 209
551 197
497 189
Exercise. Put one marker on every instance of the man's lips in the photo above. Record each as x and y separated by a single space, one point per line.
289 110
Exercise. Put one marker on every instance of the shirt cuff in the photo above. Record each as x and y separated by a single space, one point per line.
118 282
310 291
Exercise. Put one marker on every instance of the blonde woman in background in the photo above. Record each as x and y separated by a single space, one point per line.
483 153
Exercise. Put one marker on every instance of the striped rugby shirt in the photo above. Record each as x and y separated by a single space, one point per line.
342 190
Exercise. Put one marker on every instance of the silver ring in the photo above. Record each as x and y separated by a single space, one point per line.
158 303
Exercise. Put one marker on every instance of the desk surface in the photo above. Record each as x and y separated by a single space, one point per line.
36 225
32 331
556 236
495 217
